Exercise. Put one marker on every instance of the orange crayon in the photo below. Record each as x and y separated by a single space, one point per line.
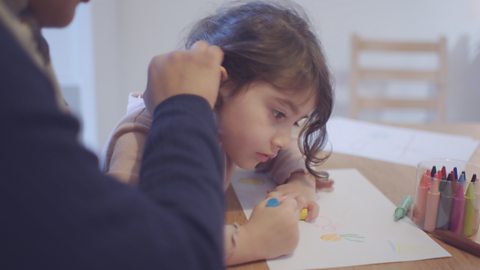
421 198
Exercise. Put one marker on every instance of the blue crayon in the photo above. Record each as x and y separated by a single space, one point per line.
273 202
455 173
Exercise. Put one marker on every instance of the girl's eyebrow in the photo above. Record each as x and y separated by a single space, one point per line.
287 103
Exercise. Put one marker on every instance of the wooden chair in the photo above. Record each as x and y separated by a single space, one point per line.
380 101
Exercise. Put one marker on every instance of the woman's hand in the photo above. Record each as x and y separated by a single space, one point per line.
197 71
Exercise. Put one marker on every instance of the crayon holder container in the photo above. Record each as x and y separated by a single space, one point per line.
447 196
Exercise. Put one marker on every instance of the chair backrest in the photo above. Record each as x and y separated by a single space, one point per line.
378 100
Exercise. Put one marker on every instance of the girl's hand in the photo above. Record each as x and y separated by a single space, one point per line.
303 187
270 232
275 228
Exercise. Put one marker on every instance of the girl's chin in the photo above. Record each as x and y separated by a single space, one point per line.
246 166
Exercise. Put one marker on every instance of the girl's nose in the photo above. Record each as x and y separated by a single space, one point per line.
281 139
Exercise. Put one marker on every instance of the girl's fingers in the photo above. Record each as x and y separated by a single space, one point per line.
313 210
291 204
301 200
323 184
200 45
216 53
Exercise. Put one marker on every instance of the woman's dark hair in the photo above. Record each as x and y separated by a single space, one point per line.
270 42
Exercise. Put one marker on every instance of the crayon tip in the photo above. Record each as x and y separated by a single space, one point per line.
273 202
303 214
444 172
399 214
474 178
434 171
402 209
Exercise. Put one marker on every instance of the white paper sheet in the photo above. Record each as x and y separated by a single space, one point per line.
398 145
355 226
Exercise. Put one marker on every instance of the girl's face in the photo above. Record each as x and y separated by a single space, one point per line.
258 121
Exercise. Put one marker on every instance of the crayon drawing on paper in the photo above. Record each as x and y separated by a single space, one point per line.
355 219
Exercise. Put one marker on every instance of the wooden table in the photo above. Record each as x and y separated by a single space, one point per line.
390 179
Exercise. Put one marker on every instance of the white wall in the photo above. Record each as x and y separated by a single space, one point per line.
71 52
127 33
108 63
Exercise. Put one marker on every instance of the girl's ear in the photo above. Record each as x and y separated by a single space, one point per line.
223 75
225 90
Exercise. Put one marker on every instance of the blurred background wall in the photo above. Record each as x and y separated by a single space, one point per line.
104 54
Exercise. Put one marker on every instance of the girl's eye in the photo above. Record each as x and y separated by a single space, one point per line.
278 114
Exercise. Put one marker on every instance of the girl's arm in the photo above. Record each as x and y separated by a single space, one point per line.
123 153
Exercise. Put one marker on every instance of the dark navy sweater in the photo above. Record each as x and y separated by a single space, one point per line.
57 211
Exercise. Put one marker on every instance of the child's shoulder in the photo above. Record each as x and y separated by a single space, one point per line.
135 102
137 114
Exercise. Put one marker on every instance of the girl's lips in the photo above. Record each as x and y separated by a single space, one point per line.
263 157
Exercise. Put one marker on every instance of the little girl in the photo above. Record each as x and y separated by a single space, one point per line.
276 87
